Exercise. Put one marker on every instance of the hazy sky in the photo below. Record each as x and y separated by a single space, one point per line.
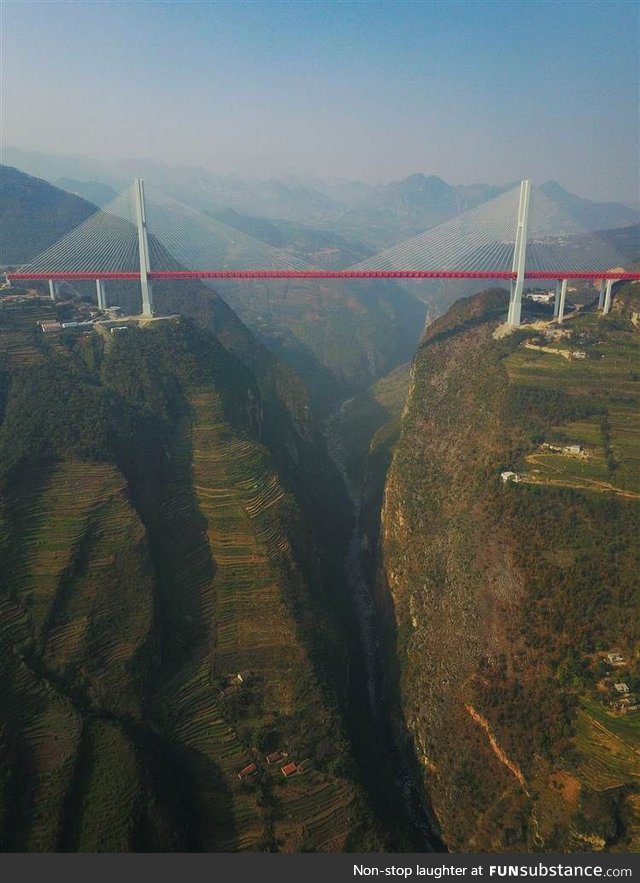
470 91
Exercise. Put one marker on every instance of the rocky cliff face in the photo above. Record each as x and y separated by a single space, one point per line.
504 598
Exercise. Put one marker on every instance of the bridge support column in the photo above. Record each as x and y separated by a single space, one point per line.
556 303
601 295
519 255
143 249
102 294
607 297
563 297
53 289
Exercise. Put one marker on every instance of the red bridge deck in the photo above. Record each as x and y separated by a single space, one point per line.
322 274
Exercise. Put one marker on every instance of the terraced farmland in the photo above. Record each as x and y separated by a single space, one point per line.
41 732
609 747
79 565
237 574
132 596
610 383
610 761
16 329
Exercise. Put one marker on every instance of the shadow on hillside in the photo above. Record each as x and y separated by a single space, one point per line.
206 803
179 682
408 769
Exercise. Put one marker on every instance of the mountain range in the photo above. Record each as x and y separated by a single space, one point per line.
372 216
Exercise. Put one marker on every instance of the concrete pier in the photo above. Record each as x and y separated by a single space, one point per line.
102 294
563 298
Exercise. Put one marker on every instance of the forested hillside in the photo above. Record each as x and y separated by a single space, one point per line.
33 215
167 615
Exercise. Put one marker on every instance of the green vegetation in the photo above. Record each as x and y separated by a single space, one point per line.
339 337
511 593
150 551
112 784
591 402
34 215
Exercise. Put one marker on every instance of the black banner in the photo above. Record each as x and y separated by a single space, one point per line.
314 868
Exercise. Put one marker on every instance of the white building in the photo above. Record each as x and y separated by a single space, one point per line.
542 297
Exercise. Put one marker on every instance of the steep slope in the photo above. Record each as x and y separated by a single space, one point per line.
33 215
504 599
151 550
626 240
93 191
364 432
591 215
339 337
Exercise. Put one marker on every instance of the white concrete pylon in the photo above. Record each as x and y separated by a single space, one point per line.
607 296
53 289
556 303
601 295
143 249
563 297
519 255
102 294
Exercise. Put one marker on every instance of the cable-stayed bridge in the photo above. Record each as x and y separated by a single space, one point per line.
149 236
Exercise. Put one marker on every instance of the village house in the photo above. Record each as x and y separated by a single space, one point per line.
574 449
542 297
621 688
49 326
509 476
76 326
625 704
275 756
250 770
289 769
615 659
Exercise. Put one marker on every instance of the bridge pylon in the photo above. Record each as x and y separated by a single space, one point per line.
563 298
102 294
556 302
519 255
143 248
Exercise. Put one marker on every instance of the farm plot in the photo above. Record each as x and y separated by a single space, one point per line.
610 748
47 729
611 436
228 576
16 329
51 515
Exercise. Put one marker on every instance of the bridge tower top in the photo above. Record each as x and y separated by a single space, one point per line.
143 248
519 254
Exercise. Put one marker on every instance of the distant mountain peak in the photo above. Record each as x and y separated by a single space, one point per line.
418 179
592 215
